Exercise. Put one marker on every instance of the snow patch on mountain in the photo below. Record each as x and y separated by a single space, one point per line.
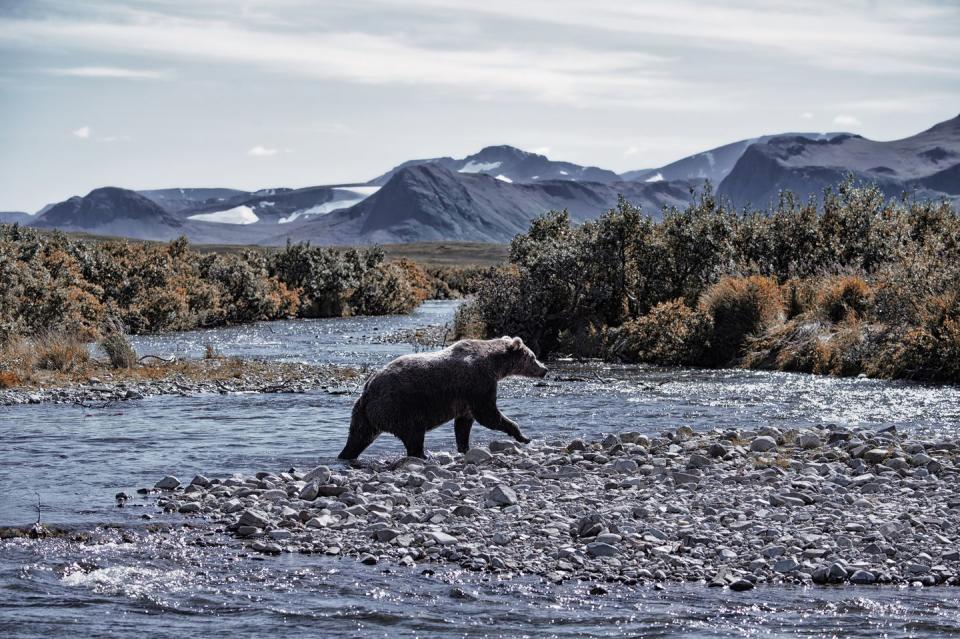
479 167
320 209
655 178
351 195
237 215
504 178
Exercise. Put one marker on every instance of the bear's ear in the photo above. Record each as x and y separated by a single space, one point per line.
515 344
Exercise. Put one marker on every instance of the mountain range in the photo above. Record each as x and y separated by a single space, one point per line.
492 195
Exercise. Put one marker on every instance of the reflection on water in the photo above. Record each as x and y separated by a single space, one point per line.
78 458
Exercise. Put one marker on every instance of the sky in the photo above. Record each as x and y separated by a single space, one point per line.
259 94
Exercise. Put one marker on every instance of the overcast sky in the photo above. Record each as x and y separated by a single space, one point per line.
164 93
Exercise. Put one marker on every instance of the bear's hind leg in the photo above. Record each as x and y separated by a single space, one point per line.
356 444
461 427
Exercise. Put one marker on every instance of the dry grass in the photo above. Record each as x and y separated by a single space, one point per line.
9 379
193 370
55 361
56 353
61 352
799 296
844 298
740 307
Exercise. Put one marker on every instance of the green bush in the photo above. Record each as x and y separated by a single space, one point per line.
823 289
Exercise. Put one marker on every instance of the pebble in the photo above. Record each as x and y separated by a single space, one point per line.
763 444
679 507
863 577
476 456
442 538
503 447
600 549
319 475
808 439
256 518
502 495
167 483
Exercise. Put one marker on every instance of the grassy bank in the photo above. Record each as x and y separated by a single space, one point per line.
859 285
65 367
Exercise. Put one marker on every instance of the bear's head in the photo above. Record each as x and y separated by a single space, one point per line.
522 360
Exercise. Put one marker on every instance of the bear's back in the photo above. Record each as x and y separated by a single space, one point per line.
463 364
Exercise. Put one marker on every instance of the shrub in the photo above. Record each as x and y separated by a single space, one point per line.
119 350
844 298
467 322
929 351
851 271
383 290
52 282
422 286
671 334
739 308
452 282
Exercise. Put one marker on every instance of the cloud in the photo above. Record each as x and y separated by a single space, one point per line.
83 132
846 120
806 115
111 72
262 151
542 72
853 36
631 150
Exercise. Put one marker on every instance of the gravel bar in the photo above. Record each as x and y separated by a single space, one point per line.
731 509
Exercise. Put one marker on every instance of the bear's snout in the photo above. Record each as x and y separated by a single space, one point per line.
539 370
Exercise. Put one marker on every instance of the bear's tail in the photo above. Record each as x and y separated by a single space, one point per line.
361 432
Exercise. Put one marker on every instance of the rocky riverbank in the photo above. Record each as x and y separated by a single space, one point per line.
181 377
734 509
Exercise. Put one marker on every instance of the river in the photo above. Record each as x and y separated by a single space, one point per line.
75 459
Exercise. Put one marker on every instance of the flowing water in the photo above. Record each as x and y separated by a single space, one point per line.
75 459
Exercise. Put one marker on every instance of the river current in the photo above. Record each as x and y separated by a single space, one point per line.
74 459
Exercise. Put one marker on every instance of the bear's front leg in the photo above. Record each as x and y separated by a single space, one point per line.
461 427
414 443
491 417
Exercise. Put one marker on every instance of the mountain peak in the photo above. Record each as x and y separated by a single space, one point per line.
503 150
113 211
511 164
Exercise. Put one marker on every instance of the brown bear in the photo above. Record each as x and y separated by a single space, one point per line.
417 393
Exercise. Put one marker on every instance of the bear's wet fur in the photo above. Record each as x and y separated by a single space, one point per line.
416 393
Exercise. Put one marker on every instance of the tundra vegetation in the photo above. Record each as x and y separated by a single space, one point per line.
857 285
60 293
